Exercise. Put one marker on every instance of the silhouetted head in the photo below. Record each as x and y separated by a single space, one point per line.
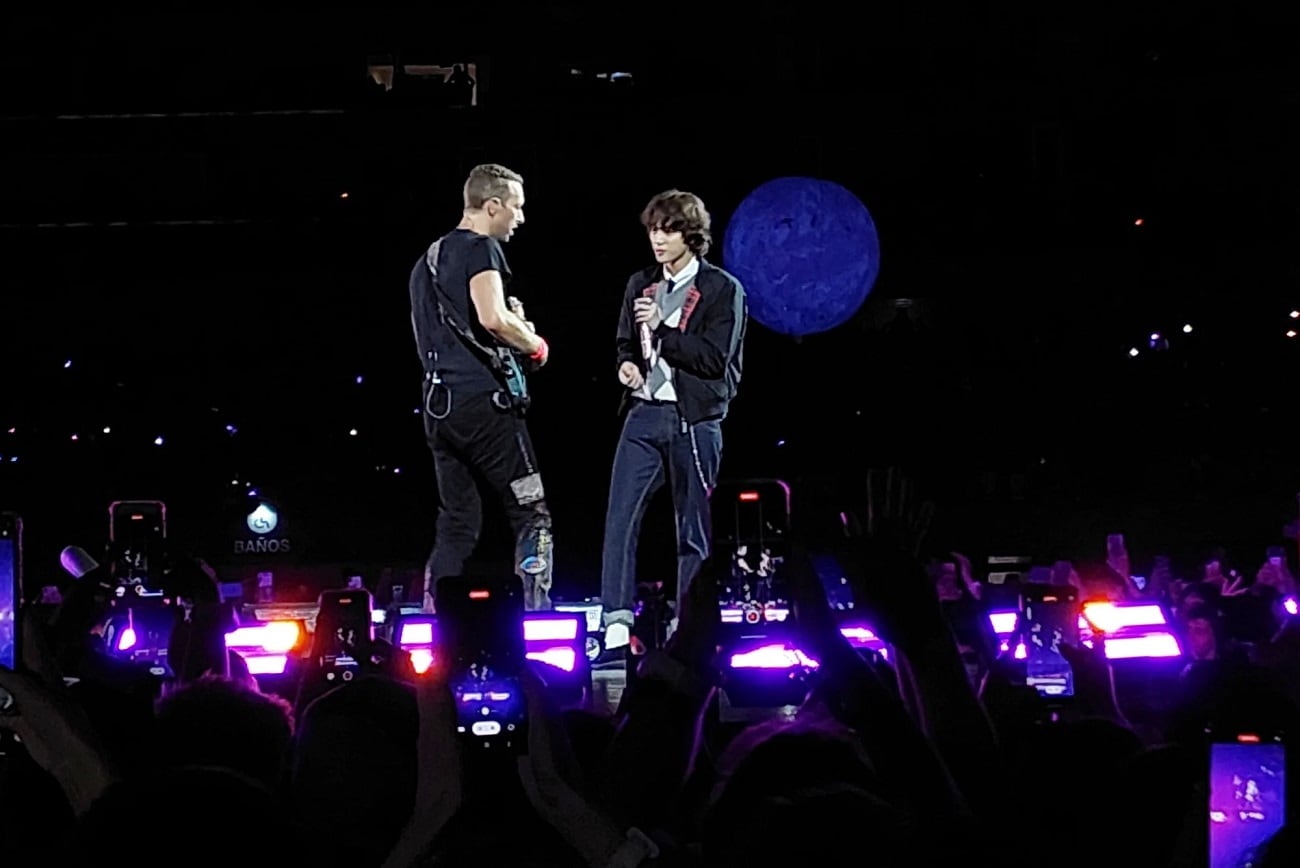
222 723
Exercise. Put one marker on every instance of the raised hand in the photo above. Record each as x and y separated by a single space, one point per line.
890 580
695 643
52 726
818 629
895 517
967 575
1234 586
1094 680
439 778
551 791
646 311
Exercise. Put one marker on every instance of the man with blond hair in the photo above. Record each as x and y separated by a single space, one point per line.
474 343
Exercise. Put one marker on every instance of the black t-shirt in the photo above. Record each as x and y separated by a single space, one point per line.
462 255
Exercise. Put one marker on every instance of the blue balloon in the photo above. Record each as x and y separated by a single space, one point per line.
806 251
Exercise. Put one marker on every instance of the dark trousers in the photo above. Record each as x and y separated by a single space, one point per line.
657 446
474 442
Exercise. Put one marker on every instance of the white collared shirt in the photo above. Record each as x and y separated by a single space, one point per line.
684 277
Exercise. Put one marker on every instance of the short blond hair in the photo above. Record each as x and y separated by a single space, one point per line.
489 181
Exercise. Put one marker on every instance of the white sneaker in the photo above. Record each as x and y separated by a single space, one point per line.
617 635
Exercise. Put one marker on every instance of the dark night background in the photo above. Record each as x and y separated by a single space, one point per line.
173 224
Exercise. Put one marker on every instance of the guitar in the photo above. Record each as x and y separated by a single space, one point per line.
506 363
512 362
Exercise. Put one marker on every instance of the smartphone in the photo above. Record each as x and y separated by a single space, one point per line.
481 626
1247 795
344 633
751 511
1007 569
11 596
1049 618
11 587
137 530
752 519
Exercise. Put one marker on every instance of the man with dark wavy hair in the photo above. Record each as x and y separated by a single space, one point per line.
680 336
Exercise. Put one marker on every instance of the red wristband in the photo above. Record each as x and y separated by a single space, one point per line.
542 349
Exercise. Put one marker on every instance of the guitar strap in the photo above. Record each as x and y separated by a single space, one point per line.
490 355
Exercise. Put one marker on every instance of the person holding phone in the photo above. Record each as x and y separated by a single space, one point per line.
1275 574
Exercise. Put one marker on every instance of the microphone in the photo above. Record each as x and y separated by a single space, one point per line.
647 340
77 561
647 343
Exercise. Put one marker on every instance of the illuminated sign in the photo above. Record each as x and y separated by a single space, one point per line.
262 547
263 520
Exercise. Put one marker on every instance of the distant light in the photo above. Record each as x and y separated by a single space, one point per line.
780 443
67 364
359 379
234 482
157 441
1290 333
108 430
1138 222
74 437
1133 351
417 411
1295 314
352 433
231 429
1187 329
13 459
13 430
1155 336
620 76
252 492
343 195
397 470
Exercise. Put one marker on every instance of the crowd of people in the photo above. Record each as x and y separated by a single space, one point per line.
911 757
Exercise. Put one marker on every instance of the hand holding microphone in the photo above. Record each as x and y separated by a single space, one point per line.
647 344
647 313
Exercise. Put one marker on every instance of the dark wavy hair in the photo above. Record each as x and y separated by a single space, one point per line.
677 211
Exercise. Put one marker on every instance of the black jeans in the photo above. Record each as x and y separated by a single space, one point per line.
475 442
